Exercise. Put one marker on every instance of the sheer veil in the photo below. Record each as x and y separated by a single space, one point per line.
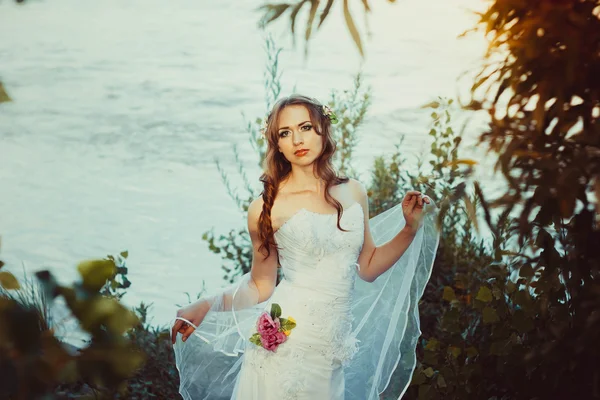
386 323
386 312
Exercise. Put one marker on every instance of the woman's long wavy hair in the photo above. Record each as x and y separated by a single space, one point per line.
276 167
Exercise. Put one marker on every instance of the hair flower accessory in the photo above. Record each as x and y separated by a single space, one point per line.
330 114
272 329
264 127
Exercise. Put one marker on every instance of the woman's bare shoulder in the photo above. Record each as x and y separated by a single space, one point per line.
254 210
357 188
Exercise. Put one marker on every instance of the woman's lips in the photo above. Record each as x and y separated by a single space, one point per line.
301 153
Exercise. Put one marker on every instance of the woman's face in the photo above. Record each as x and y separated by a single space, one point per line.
298 140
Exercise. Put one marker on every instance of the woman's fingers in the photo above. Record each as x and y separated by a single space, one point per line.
420 198
183 328
187 332
411 202
176 328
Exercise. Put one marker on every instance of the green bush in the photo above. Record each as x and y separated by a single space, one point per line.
34 363
125 356
524 323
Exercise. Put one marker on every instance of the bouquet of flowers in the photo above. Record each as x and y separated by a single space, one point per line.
272 329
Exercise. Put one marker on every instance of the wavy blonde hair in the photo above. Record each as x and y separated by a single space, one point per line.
276 167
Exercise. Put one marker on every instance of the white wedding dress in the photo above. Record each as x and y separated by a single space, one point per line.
350 335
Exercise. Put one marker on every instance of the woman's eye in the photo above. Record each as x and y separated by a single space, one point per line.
305 128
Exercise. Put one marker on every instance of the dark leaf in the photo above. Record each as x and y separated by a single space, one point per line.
352 28
95 273
484 294
294 14
490 315
8 281
311 18
325 12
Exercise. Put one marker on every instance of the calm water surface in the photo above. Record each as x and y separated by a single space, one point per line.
121 107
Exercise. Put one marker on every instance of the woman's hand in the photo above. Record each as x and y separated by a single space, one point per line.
412 208
194 313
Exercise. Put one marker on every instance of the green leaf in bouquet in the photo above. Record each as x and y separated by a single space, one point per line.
256 339
286 324
275 311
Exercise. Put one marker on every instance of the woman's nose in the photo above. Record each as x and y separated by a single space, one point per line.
298 139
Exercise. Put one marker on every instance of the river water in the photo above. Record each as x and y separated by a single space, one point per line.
120 108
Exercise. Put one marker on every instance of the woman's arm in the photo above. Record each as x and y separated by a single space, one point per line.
264 271
374 261
258 287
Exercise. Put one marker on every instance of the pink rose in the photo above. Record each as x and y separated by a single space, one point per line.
272 341
266 325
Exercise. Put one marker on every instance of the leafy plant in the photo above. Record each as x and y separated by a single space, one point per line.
525 324
33 361
273 12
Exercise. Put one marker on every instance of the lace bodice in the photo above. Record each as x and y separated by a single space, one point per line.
319 264
311 243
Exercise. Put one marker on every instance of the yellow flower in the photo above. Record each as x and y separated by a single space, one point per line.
287 333
291 319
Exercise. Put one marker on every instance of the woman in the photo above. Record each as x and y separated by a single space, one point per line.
321 333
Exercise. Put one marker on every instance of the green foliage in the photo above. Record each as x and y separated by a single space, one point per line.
542 94
388 181
351 107
33 361
198 295
287 324
125 358
461 257
272 12
275 311
158 377
256 339
116 282
442 178
30 295
235 249
526 320
8 281
4 97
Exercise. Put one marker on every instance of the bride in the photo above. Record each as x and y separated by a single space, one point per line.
321 333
